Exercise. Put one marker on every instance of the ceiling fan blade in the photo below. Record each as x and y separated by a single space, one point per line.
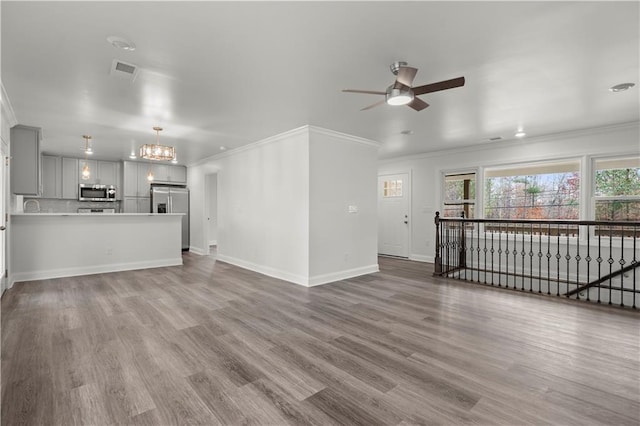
368 92
417 104
406 75
373 105
441 85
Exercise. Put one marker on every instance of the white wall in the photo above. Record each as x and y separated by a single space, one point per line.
264 219
263 213
343 173
212 207
428 168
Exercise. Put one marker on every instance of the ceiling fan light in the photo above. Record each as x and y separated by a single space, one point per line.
398 96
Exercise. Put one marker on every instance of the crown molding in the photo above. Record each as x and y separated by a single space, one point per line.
7 107
271 139
515 142
340 135
306 129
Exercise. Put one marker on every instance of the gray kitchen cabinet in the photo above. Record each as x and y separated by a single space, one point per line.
102 172
69 178
143 183
130 205
51 176
130 179
144 205
25 160
93 171
177 174
108 173
160 172
136 205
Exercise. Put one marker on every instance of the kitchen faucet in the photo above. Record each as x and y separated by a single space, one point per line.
26 203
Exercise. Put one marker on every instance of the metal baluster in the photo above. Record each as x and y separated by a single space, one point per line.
558 256
540 258
478 251
499 255
621 262
577 265
437 266
531 257
610 260
634 261
599 258
523 263
549 259
484 232
515 259
568 257
507 253
470 252
492 251
588 259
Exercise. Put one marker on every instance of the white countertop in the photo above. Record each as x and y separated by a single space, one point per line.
98 214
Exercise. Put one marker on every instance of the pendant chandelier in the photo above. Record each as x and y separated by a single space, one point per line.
157 151
86 173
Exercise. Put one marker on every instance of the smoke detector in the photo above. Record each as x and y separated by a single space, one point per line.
121 43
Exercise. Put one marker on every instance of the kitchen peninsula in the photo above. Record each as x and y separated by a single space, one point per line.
53 245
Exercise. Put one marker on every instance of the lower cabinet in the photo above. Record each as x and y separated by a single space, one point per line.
136 205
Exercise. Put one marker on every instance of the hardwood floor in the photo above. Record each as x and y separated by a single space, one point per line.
210 343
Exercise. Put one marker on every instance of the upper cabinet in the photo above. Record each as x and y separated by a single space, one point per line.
51 177
101 172
135 174
70 178
25 160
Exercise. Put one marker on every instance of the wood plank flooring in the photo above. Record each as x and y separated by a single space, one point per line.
210 343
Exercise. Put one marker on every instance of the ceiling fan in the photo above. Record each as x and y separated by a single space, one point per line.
401 92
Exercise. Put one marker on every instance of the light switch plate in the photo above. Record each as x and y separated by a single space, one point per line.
353 209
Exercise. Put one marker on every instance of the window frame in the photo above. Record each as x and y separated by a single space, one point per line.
469 201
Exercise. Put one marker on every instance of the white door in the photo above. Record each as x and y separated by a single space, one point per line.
4 190
393 214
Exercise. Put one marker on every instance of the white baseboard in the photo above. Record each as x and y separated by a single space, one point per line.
89 270
421 258
342 275
299 279
198 250
265 270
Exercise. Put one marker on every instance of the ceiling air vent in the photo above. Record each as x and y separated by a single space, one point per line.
123 70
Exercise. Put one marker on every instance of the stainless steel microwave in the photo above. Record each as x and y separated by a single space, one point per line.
87 192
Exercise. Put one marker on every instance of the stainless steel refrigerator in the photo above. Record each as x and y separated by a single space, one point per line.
172 199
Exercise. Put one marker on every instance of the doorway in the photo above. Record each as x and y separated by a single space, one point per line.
394 192
211 210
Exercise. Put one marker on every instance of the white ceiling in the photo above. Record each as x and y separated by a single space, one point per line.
230 73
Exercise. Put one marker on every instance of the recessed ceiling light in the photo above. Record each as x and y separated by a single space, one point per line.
520 134
222 148
621 87
121 43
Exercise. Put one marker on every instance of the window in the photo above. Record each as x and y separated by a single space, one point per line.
617 189
537 191
392 188
459 194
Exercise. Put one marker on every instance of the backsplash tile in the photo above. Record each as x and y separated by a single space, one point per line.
53 205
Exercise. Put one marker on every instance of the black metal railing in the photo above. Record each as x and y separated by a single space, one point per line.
596 261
